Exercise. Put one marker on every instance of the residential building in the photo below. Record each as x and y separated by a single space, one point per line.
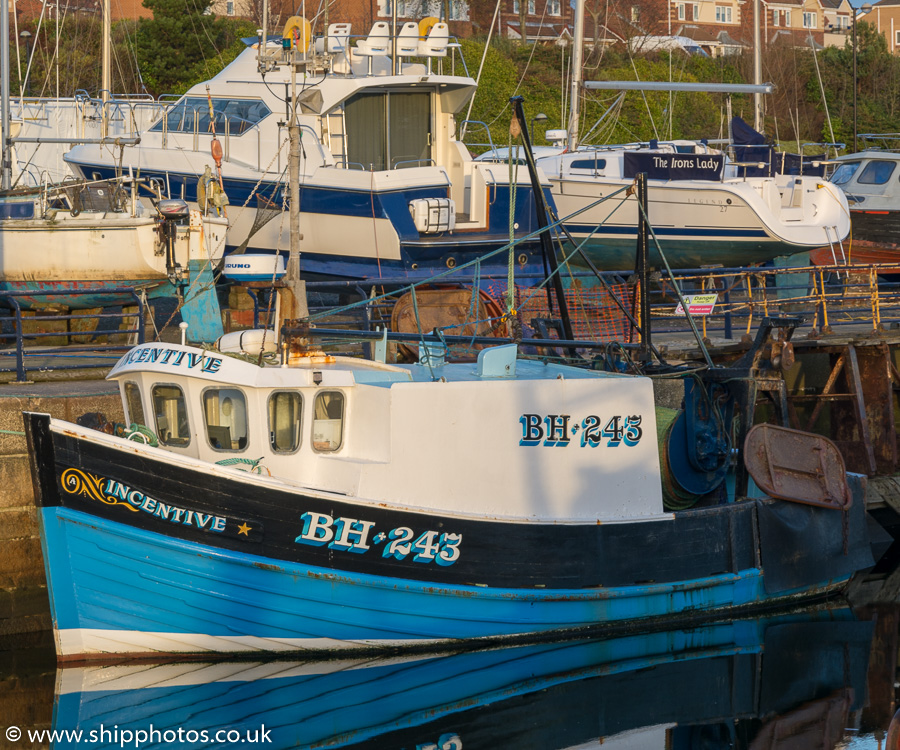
885 17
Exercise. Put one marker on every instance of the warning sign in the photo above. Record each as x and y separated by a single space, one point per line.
698 304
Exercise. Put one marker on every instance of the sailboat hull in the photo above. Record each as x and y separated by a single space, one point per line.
694 223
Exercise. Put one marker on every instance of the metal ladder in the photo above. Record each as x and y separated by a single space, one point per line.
337 135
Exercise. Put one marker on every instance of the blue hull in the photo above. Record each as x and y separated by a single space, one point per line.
614 248
89 293
111 577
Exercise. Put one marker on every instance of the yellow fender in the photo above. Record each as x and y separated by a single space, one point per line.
298 30
426 25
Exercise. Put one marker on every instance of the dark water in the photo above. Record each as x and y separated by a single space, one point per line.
821 678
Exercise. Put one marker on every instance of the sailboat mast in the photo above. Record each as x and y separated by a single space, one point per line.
577 57
106 79
5 163
757 66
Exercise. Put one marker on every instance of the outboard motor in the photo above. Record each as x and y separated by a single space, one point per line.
173 213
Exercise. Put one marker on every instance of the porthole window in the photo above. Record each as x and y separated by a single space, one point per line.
134 404
328 421
172 426
285 410
225 414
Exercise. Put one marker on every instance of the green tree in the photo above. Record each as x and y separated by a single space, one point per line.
181 44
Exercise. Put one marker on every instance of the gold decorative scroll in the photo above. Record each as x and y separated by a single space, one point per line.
77 482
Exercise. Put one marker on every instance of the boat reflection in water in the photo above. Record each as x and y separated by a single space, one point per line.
736 684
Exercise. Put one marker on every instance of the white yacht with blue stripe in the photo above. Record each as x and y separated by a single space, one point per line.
385 188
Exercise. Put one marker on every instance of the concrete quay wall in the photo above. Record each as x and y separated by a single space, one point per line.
24 607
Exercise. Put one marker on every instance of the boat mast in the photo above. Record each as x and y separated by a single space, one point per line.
577 57
5 164
757 67
296 288
105 77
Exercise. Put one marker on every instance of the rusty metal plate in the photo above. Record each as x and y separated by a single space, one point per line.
798 466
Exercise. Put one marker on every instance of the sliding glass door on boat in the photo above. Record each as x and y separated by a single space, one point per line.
388 130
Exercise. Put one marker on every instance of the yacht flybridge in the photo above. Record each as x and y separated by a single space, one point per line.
385 189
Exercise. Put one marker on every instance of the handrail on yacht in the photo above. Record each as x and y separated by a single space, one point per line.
418 162
490 144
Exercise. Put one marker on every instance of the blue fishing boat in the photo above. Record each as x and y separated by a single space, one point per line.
667 689
264 502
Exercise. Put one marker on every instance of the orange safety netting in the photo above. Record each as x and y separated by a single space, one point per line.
594 313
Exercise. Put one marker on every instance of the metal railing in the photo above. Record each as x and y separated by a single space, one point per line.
71 356
834 300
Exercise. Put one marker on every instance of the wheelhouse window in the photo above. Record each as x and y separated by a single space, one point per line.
285 411
328 421
844 173
225 414
133 404
876 173
172 427
234 116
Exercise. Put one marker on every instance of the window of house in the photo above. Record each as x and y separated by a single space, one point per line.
133 403
459 10
225 414
696 12
723 13
776 17
635 13
169 407
787 18
328 421
553 7
285 411
530 6
681 12
809 21
876 173
897 40
387 8
229 8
